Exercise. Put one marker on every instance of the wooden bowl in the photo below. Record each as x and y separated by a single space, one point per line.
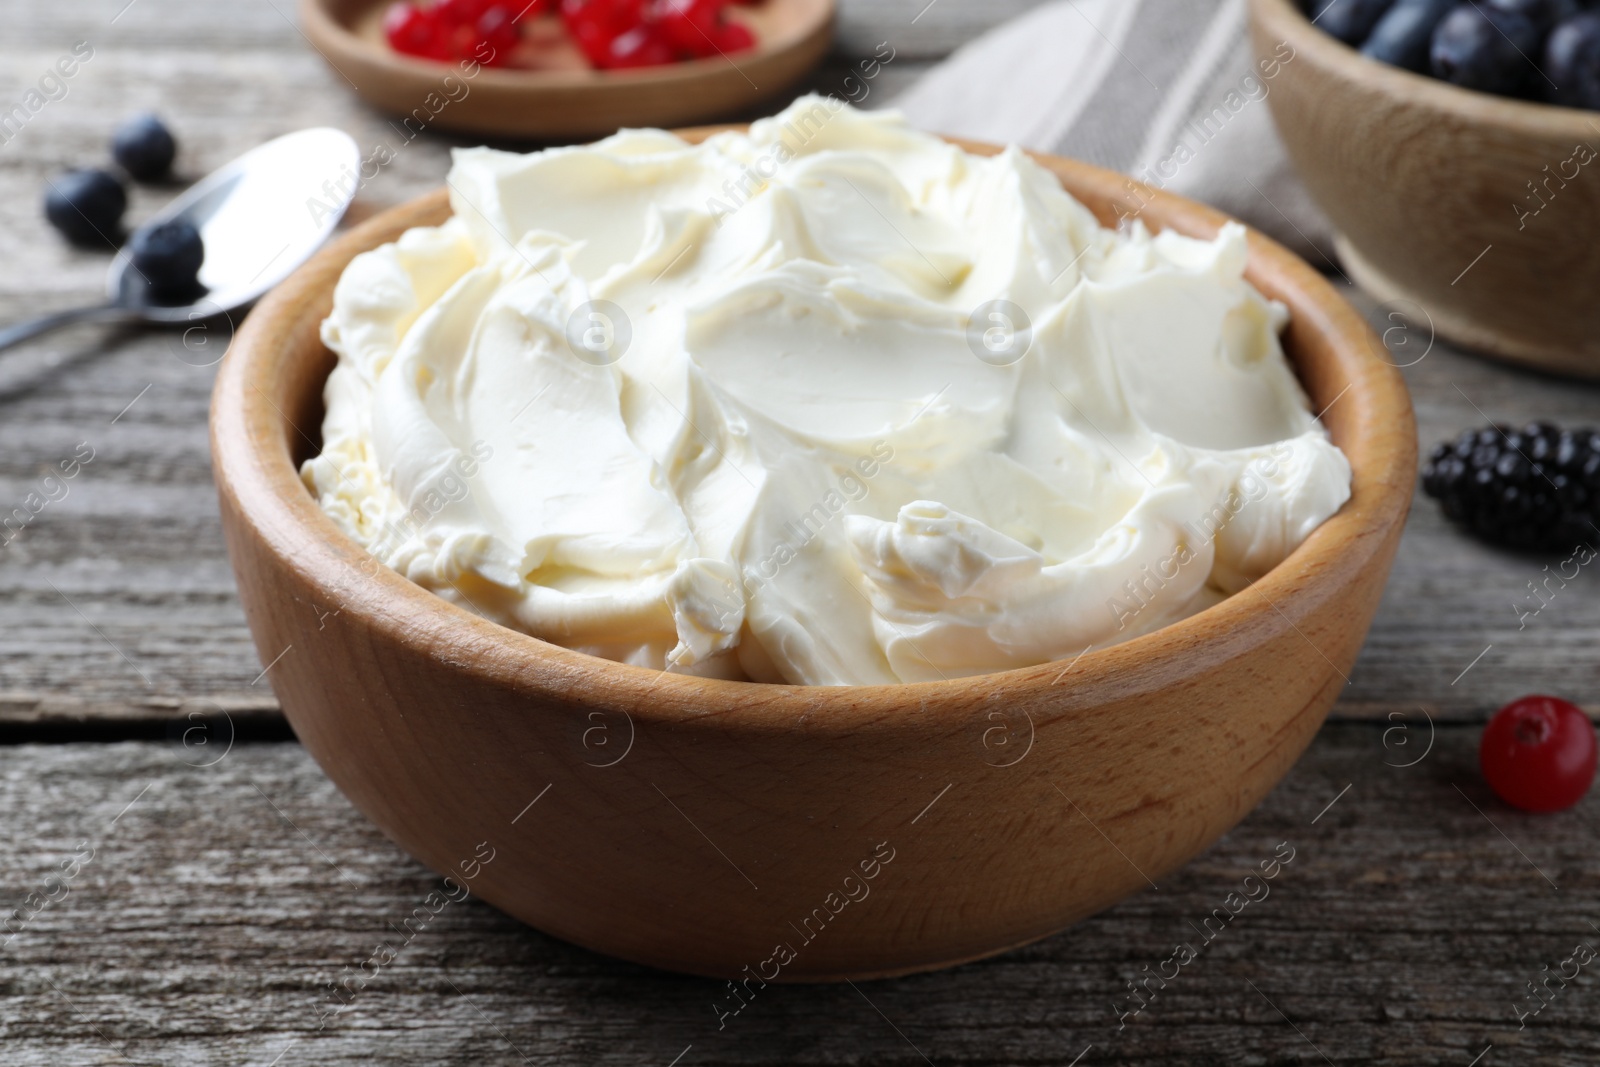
568 99
709 826
1424 181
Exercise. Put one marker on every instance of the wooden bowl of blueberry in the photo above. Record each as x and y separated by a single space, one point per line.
1456 147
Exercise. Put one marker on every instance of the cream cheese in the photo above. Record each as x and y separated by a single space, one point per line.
750 408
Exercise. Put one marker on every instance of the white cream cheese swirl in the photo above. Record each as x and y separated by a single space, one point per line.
780 456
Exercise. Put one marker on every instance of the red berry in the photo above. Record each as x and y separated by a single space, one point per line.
464 42
642 46
498 30
593 41
461 12
414 31
1538 753
612 17
528 9
596 24
689 25
734 37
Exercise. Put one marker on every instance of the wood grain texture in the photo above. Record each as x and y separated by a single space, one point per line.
136 546
208 926
220 906
1478 208
117 601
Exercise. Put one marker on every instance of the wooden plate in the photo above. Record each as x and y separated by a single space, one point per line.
565 98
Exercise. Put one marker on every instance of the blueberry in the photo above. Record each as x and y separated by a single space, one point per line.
143 146
1542 13
87 206
1486 48
1402 37
1572 61
1351 20
168 256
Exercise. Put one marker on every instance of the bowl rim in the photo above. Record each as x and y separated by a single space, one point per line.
257 478
322 24
1283 19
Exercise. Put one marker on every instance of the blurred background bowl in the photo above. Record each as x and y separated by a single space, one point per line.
570 100
1428 183
696 824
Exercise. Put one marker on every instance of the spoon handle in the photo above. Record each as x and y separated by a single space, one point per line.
18 332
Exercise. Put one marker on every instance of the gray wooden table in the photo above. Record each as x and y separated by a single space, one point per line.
220 888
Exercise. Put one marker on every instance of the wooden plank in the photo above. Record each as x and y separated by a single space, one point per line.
1452 600
117 602
222 901
125 579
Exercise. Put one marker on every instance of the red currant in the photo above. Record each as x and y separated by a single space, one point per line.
642 46
734 37
593 41
414 31
612 17
498 30
462 12
596 24
689 25
615 34
464 42
1538 753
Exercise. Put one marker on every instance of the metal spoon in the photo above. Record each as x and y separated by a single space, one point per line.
260 217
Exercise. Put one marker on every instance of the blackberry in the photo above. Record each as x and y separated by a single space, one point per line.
1534 488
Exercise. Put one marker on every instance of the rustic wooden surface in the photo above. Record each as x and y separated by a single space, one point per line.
118 602
219 906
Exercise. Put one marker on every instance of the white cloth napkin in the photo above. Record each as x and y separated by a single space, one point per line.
1164 90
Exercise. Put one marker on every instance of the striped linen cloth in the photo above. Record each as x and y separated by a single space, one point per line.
1164 90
